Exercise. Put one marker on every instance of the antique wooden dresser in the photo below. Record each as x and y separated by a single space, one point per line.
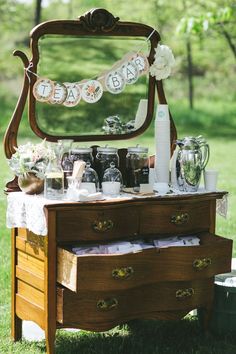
55 288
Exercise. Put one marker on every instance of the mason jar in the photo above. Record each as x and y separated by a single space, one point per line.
82 153
137 167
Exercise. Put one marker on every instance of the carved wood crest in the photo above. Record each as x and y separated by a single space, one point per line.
98 20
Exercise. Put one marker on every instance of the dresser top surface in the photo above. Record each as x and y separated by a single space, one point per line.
136 199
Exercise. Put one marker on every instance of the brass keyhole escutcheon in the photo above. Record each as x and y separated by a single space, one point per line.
182 294
180 218
102 225
201 263
107 304
122 273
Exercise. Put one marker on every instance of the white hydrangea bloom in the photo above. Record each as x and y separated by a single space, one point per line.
163 63
31 158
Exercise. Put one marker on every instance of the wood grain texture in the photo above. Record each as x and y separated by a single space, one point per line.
30 248
16 321
22 232
134 217
139 302
26 262
50 272
10 138
94 272
28 311
78 224
30 278
30 293
156 219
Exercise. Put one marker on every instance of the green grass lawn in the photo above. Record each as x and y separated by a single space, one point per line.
217 123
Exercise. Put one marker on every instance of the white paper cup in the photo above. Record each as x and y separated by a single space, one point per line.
111 188
210 180
91 187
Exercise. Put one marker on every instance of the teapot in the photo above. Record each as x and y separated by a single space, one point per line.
192 158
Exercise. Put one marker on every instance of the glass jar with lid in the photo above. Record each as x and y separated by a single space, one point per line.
137 166
82 153
89 179
105 155
112 181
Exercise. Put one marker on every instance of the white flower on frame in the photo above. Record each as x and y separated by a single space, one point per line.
163 63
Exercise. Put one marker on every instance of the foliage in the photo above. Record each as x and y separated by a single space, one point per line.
31 158
220 19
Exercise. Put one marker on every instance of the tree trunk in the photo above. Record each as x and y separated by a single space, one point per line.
190 72
38 8
229 40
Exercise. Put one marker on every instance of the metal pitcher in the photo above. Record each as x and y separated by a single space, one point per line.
192 158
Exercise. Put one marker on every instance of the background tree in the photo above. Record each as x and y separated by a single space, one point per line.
220 19
38 10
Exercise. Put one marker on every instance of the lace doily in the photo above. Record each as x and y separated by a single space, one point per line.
222 206
27 211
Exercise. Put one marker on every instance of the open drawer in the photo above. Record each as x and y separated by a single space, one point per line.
116 272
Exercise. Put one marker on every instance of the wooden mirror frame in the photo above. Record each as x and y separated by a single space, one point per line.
96 22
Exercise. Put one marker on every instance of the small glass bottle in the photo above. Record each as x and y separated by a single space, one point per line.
54 180
89 179
112 181
63 147
137 165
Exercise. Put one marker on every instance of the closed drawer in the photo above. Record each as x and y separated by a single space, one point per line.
117 272
178 218
103 310
97 223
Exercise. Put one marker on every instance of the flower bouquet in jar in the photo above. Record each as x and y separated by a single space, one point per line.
29 163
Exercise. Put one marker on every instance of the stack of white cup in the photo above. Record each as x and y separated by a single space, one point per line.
162 156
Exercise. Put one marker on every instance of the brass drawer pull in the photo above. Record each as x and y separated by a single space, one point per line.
182 294
107 304
102 225
201 263
179 218
122 273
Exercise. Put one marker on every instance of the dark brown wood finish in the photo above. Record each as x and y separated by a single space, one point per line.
163 284
10 138
140 302
97 22
93 23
